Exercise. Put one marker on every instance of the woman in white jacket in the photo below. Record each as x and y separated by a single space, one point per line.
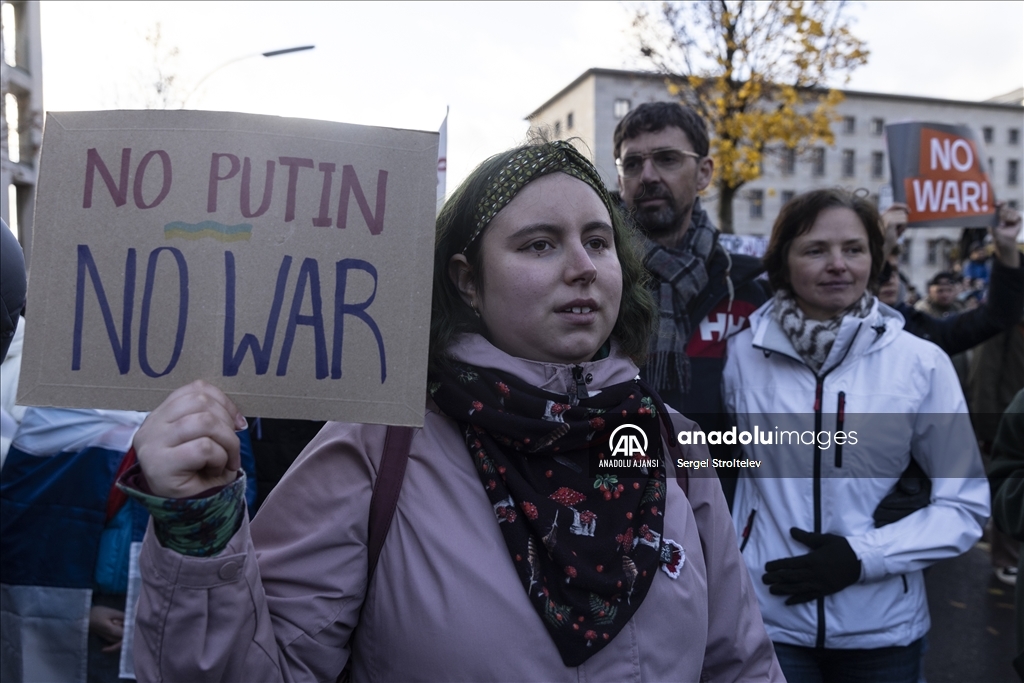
832 398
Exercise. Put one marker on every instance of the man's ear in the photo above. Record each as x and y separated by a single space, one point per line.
461 274
705 172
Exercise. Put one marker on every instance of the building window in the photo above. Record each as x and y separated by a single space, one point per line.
986 134
849 125
1013 204
568 121
1014 136
13 110
991 167
818 159
877 164
558 129
621 108
756 203
905 252
877 126
848 163
938 252
788 161
787 196
1012 172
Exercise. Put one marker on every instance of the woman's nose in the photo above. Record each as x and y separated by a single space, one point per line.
836 260
580 265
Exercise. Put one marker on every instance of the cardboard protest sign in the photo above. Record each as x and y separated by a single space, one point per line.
286 261
937 172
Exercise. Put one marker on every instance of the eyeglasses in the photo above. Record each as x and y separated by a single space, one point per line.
665 160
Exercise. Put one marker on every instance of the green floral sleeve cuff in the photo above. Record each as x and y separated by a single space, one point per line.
200 526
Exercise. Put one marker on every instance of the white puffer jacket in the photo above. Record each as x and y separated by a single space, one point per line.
892 395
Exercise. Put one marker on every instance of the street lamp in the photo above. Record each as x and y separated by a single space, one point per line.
271 53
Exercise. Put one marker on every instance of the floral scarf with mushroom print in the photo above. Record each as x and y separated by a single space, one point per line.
586 547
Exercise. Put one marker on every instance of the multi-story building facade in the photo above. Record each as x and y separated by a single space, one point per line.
589 108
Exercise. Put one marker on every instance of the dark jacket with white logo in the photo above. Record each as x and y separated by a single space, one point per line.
714 317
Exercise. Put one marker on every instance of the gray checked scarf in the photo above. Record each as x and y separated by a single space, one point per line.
679 274
813 339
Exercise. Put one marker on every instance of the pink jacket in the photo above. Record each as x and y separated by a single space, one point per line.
283 600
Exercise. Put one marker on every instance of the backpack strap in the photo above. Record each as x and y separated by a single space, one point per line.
383 503
386 489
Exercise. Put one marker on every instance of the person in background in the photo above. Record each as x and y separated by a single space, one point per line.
993 330
12 287
504 560
942 296
977 269
842 599
943 301
912 296
1000 310
275 445
1006 476
704 294
989 329
65 537
11 414
996 376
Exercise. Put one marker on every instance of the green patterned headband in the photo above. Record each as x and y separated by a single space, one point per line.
527 165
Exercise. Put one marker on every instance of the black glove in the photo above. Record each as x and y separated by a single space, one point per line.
913 492
830 567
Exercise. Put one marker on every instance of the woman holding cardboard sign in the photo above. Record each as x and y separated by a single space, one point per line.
504 560
852 397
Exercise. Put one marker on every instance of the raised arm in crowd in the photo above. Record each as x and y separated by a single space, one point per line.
1002 307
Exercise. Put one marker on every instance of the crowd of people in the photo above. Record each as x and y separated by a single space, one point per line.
484 545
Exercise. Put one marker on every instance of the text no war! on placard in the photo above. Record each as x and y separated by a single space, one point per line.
937 173
287 261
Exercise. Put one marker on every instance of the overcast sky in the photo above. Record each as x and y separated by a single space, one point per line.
402 64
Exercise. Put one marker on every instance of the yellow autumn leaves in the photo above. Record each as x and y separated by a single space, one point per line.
758 72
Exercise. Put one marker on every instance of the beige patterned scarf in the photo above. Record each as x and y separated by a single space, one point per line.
813 339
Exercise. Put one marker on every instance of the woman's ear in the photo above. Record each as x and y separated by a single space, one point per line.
461 274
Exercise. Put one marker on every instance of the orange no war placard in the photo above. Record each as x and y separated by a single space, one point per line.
937 172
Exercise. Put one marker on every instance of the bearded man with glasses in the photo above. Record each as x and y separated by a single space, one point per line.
704 294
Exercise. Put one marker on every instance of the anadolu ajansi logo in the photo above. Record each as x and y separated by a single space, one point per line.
625 441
